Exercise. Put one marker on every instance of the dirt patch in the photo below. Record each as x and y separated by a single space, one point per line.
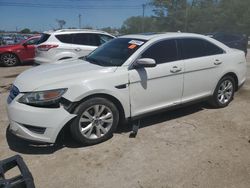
5 88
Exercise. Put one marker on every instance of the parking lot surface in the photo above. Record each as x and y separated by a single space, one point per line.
195 146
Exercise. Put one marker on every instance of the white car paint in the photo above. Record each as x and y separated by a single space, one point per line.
147 89
65 50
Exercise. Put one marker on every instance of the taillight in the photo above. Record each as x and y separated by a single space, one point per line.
46 47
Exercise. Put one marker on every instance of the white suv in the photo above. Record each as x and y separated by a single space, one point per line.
68 43
123 79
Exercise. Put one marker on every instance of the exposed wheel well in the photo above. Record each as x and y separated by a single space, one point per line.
234 76
122 119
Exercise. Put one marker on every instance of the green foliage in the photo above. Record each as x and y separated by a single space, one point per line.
199 16
138 24
25 31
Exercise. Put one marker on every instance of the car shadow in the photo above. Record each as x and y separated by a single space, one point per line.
65 140
165 115
26 63
35 148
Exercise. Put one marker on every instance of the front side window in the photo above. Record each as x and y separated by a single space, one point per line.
115 52
162 52
194 48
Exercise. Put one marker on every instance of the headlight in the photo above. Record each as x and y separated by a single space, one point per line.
42 98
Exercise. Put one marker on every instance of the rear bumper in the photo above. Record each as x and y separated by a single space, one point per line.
26 120
39 60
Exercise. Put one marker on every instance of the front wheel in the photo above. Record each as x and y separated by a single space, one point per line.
96 120
224 92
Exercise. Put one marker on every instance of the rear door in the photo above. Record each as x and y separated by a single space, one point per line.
84 43
203 67
65 49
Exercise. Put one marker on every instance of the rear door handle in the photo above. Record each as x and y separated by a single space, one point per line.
78 49
175 69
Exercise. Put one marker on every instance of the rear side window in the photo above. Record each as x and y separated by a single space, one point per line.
43 38
194 48
86 39
162 52
65 38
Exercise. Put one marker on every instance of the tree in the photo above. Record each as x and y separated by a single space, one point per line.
135 25
235 16
110 30
61 23
202 16
25 31
197 16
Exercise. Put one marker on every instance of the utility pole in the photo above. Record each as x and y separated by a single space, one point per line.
143 10
143 16
80 21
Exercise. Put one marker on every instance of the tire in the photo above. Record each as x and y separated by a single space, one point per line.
224 92
97 119
9 60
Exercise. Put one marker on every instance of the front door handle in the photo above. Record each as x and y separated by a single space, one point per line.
78 49
217 62
175 69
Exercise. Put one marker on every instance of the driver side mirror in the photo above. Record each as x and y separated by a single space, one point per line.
144 62
25 44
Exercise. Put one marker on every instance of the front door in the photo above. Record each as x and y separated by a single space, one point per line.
158 87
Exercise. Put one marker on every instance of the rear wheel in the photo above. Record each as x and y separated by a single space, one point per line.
96 120
224 92
9 59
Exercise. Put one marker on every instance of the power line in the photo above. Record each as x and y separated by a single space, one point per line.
64 6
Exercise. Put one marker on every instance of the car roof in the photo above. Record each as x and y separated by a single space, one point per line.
150 36
69 31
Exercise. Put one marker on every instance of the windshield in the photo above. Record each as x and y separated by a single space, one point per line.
115 52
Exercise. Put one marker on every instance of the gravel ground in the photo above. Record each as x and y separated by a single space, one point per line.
195 146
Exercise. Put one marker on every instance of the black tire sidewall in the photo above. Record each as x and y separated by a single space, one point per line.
216 102
85 105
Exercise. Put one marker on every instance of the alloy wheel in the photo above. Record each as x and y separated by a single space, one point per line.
225 92
9 59
96 121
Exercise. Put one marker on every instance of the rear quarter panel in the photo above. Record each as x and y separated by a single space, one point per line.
235 62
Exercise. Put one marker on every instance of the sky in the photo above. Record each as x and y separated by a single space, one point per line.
41 15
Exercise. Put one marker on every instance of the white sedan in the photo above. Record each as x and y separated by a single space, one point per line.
124 79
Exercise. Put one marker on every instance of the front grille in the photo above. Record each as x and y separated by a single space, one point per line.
14 91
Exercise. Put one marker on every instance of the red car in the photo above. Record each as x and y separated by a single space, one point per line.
11 55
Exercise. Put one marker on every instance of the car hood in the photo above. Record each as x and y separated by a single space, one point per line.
45 75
